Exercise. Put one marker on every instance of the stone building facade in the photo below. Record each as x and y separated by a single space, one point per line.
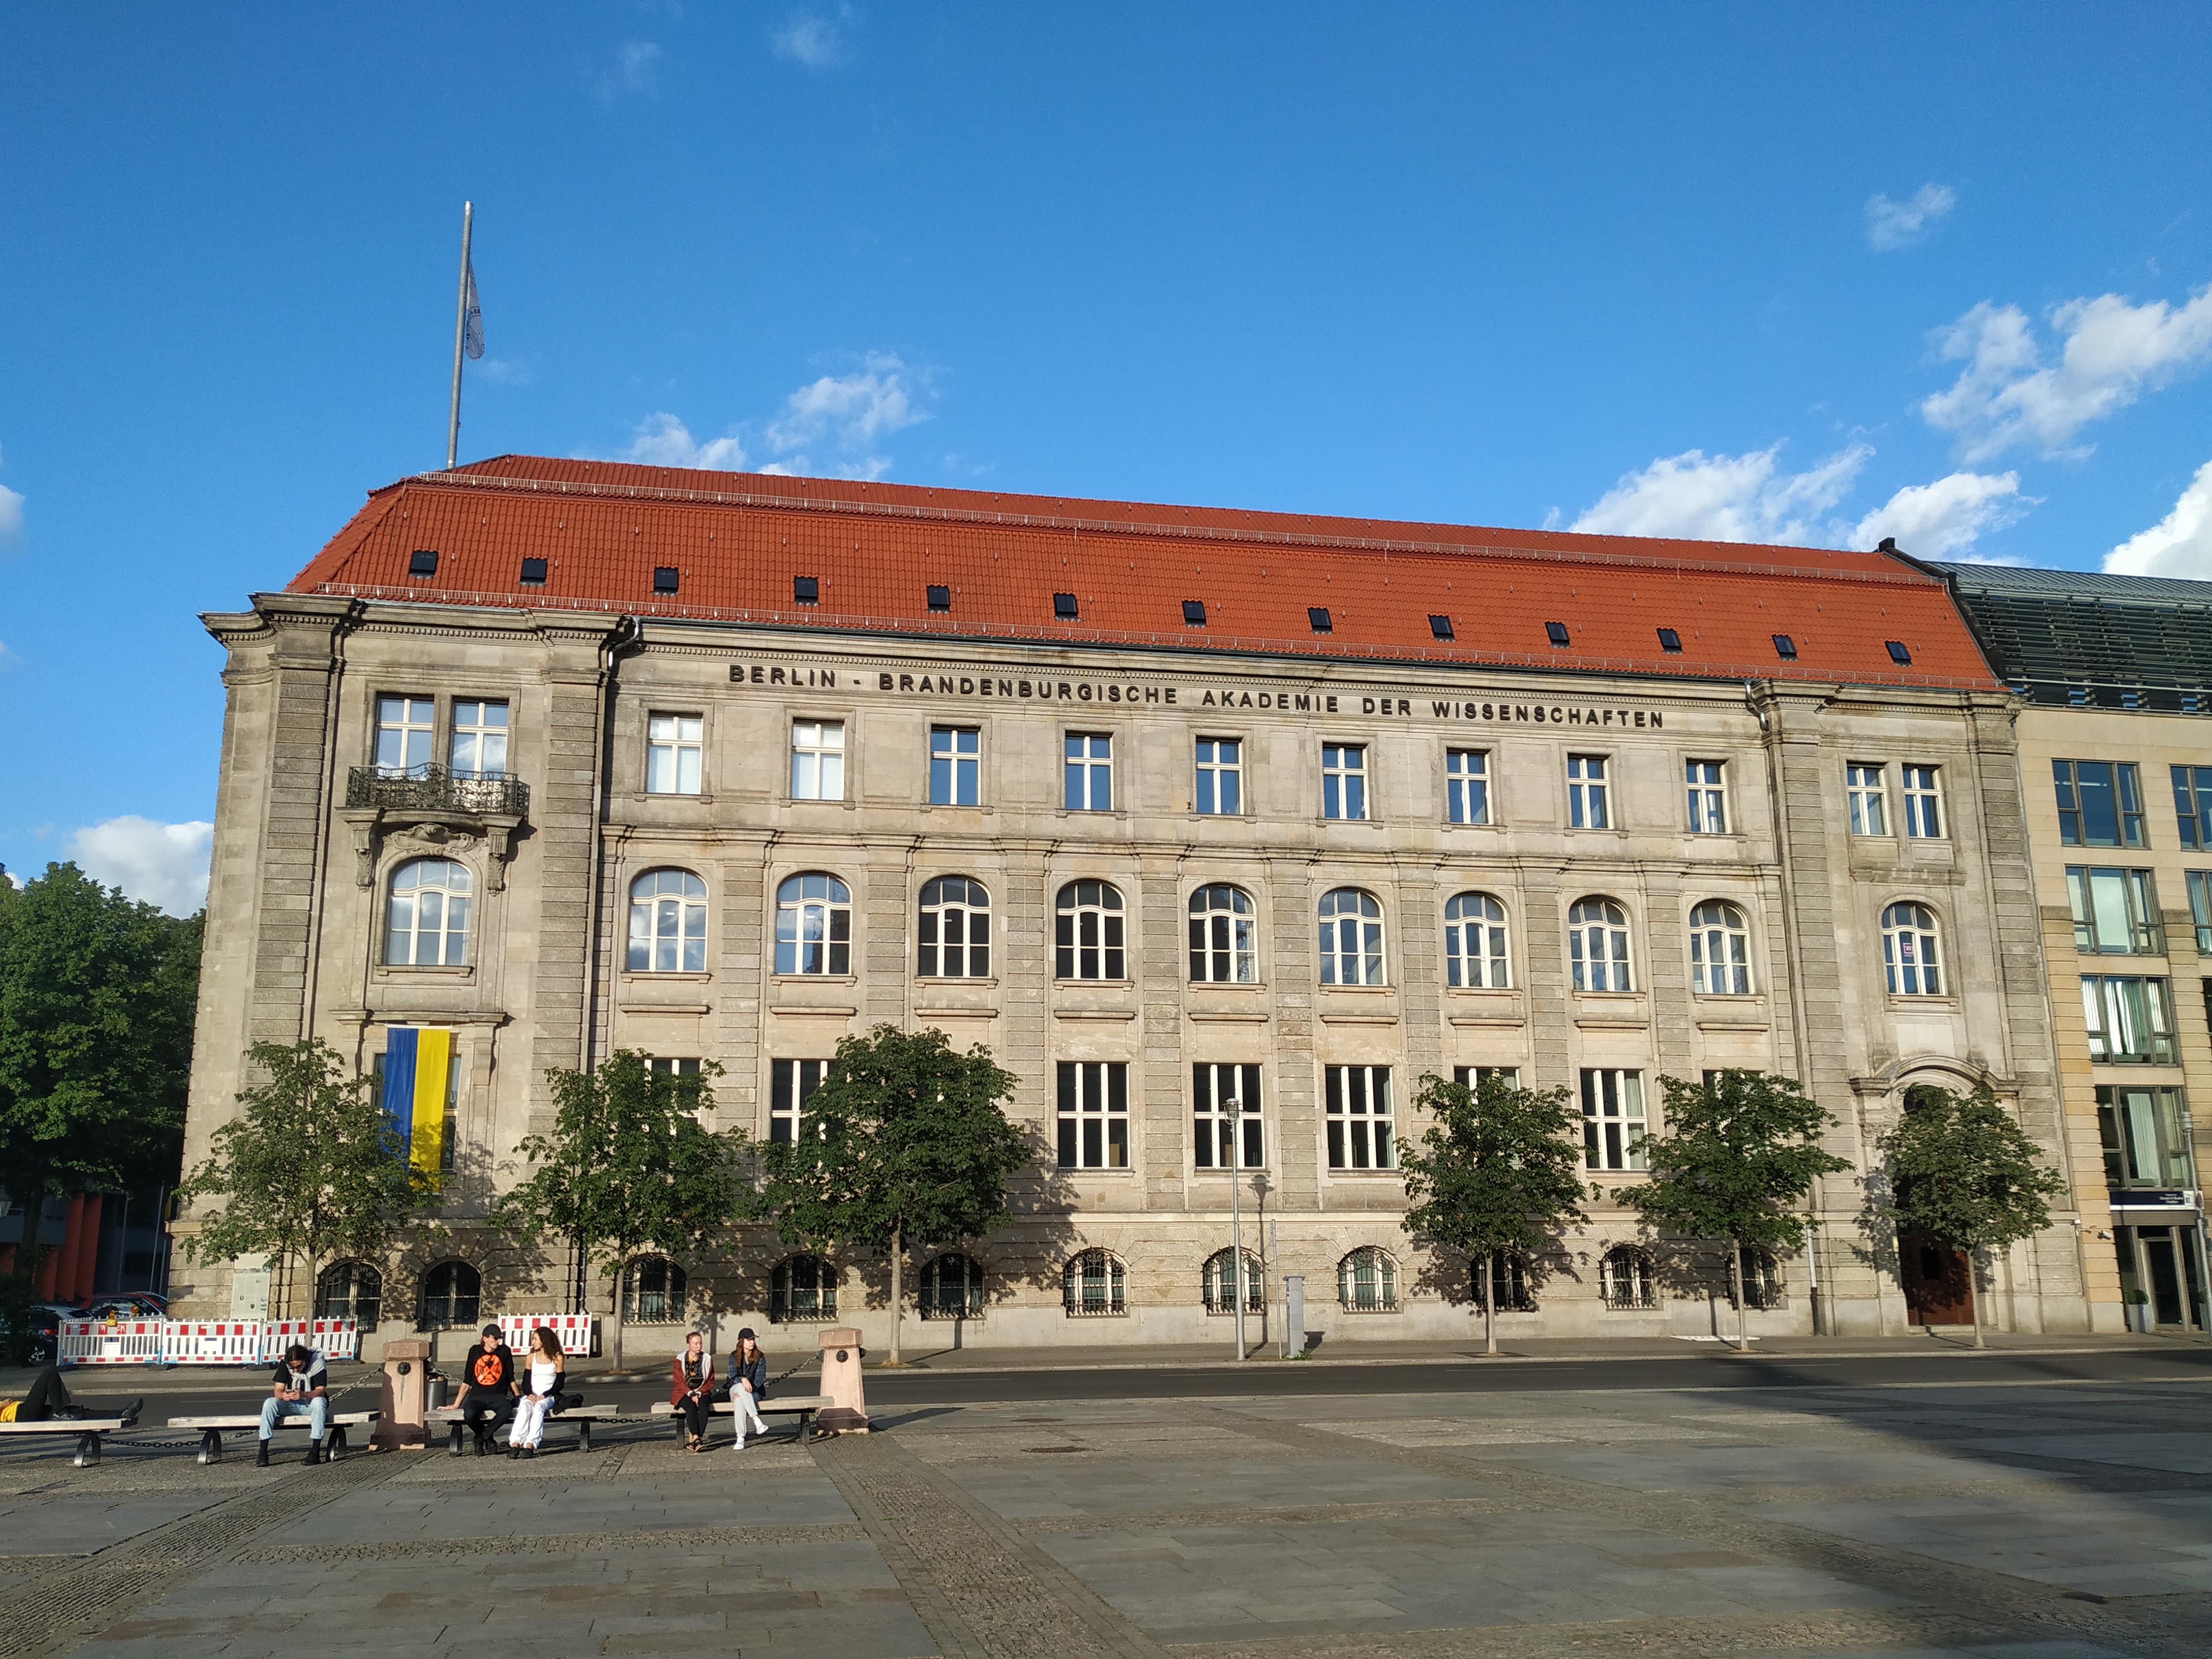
1162 804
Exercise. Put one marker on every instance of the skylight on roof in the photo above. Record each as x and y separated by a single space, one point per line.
940 598
1785 647
1670 640
533 571
1194 612
1897 652
663 578
1440 627
805 590
422 561
1317 619
1063 606
1556 632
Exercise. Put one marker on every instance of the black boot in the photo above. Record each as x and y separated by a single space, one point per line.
130 1412
314 1453
513 1452
261 1456
483 1443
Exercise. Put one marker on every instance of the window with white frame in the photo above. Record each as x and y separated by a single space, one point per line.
1613 1125
813 925
1719 951
1507 1290
1367 1282
1361 1130
1625 1280
1910 957
1220 788
673 746
1218 1283
952 1288
1597 946
1867 791
478 746
1474 1077
1087 933
1094 1284
1923 803
1222 951
1708 790
1215 1134
427 916
1351 938
956 765
668 923
1343 781
802 1289
1474 943
405 728
2131 1019
953 931
1586 792
791 1082
817 760
1087 772
1094 1115
1762 1279
1466 786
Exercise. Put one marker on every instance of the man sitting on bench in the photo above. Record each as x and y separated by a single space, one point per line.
491 1394
301 1384
49 1402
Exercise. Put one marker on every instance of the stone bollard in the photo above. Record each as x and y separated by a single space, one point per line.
406 1371
848 1410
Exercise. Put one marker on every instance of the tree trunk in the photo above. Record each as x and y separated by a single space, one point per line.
898 1288
1490 1303
1736 1278
1973 1297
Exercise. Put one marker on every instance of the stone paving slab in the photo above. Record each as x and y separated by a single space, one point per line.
78 1524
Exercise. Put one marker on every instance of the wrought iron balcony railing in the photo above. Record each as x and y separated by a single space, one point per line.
434 788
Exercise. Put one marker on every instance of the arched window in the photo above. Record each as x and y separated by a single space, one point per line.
952 1288
668 923
1221 921
350 1290
427 924
1351 938
652 1291
453 1291
1762 1280
813 925
1624 1279
1597 946
802 1289
1475 942
1909 956
1367 1282
1087 933
1509 1284
1218 1283
1094 1284
953 939
1719 951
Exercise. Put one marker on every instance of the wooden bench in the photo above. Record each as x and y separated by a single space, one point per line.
212 1429
799 1406
88 1431
582 1416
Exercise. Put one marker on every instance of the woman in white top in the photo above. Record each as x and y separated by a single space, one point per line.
538 1391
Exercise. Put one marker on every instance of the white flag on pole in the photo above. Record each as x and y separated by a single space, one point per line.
472 318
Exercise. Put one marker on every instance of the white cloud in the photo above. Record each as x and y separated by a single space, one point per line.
1893 224
2113 352
812 38
1725 498
160 864
836 421
11 513
2179 544
661 440
506 371
635 64
1941 519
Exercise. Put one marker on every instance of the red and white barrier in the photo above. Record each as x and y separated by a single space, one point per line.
201 1341
579 1333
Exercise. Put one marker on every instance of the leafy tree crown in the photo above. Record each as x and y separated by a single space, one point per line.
1963 1173
1496 1168
1741 1151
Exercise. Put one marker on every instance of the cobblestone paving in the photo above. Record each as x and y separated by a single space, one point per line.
2042 1522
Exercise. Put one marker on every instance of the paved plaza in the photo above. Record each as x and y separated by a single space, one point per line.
2061 1519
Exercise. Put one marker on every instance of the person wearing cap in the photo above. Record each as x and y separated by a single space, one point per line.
747 1385
301 1383
490 1396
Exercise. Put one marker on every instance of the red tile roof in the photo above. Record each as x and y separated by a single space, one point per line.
737 539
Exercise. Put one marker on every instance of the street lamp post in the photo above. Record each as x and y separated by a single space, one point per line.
1233 1108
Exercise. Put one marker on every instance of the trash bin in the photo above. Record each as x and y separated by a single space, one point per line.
406 1399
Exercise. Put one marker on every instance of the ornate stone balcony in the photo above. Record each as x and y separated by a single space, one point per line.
438 806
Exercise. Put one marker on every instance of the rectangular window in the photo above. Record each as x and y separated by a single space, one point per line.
1220 777
791 1082
2100 804
1094 1115
1613 1119
2115 912
684 1071
1087 771
1586 788
956 765
1360 1127
2131 1019
1924 808
445 1129
1708 798
2200 908
479 741
673 743
1343 781
817 760
404 727
1212 1138
1863 784
2192 804
1466 786
2144 1142
1473 1076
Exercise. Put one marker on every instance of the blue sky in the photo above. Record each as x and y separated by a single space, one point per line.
1754 273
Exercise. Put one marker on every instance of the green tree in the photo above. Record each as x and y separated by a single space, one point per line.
1497 1171
906 1145
96 1004
1966 1175
1741 1150
631 1165
313 1170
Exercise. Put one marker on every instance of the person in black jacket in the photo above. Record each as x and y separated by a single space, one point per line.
491 1394
747 1385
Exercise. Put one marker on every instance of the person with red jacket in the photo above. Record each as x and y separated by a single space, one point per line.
691 1390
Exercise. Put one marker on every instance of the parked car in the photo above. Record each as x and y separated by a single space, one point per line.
46 1332
125 1305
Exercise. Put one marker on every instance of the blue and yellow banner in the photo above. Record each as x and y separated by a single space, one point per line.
418 1068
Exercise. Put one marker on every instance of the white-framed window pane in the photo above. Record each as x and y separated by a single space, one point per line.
791 1082
668 923
1597 946
1222 950
1087 772
1474 943
1344 781
1910 964
1215 1135
1466 786
479 740
2131 1019
1088 939
1220 787
1708 792
1219 1286
1094 1284
813 925
817 760
1613 1126
1473 1077
1351 938
1864 785
953 930
427 915
1924 811
1367 1282
1719 951
1587 805
673 746
956 765
1361 1130
1093 1099
405 728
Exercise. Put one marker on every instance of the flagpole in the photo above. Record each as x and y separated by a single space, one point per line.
460 327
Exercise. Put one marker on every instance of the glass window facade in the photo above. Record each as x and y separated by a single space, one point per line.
2115 912
2099 803
2131 1019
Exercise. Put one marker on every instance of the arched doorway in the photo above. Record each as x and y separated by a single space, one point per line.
1933 1279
